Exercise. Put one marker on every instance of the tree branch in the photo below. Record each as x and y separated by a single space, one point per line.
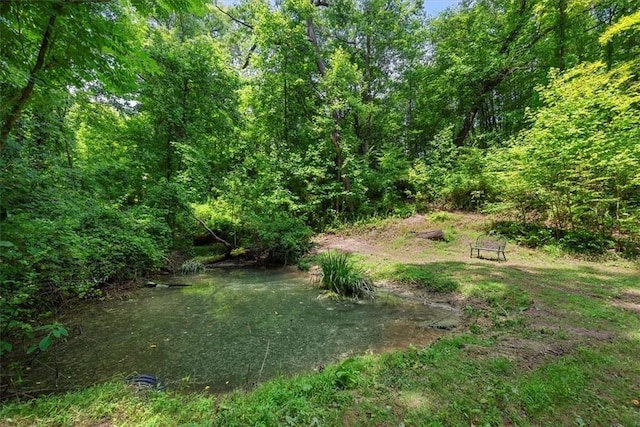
215 236
248 59
233 18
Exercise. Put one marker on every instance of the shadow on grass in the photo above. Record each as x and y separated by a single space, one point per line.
554 349
581 296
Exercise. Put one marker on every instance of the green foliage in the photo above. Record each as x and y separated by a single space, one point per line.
191 266
119 118
428 177
69 249
585 242
54 331
579 159
280 237
456 177
347 374
626 23
342 276
440 216
269 235
577 241
422 276
470 186
388 184
528 234
220 216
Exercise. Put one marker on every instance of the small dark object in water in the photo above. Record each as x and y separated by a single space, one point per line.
165 285
145 382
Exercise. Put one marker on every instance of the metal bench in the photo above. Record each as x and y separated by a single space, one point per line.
489 242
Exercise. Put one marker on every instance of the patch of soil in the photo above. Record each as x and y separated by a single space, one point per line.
351 245
629 299
414 220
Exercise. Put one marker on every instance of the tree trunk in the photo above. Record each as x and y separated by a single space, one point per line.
562 30
336 135
27 91
490 82
467 125
368 97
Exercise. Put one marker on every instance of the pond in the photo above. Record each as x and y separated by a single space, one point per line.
231 328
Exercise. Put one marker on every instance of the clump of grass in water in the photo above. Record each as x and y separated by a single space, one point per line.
191 266
342 276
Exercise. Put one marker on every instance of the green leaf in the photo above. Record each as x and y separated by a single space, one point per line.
5 347
60 331
45 343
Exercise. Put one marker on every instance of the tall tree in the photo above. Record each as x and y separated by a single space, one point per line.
189 111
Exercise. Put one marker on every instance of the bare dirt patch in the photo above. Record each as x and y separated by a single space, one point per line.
629 299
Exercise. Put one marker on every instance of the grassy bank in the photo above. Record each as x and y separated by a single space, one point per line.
546 340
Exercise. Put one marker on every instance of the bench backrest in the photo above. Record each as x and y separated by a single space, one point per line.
494 241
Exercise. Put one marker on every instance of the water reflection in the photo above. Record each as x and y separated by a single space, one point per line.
219 332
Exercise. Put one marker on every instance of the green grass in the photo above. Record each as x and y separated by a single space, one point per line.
341 275
421 276
191 266
547 341
444 384
441 216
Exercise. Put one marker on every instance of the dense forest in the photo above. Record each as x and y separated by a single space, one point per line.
129 127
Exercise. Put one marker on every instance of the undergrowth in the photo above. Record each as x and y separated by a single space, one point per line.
578 241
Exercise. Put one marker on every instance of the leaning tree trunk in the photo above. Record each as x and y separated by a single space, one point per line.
26 92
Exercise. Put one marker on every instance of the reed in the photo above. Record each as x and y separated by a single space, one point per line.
342 276
191 267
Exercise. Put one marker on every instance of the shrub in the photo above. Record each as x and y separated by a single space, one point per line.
440 216
219 217
469 186
576 241
342 276
68 251
528 234
576 164
279 237
584 242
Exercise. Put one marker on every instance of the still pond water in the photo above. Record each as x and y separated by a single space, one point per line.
231 328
